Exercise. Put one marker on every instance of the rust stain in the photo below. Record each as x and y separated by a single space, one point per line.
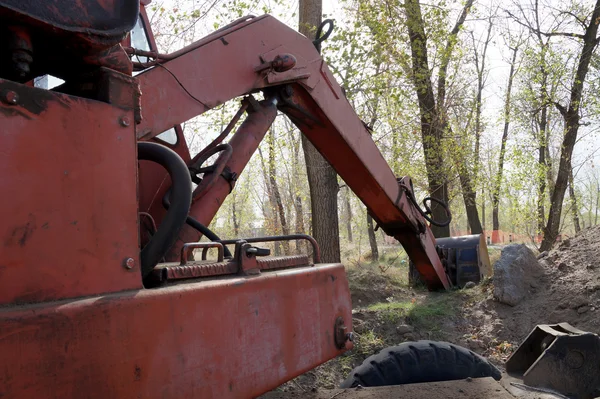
18 331
21 234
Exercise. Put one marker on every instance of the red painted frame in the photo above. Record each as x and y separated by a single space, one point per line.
215 338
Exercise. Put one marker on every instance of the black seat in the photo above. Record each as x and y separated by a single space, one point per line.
93 24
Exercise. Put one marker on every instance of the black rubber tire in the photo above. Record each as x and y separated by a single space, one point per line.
422 361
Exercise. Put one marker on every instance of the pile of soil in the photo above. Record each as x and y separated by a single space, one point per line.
568 291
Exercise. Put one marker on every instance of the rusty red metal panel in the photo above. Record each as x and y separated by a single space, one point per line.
226 338
213 70
69 207
194 269
280 262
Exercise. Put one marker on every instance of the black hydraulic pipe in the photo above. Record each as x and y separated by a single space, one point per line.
181 187
195 224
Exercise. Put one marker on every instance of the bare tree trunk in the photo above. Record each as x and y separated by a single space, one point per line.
543 134
498 180
276 193
597 204
483 208
322 179
372 238
470 204
270 211
571 118
574 206
236 223
541 210
348 214
480 84
299 222
431 114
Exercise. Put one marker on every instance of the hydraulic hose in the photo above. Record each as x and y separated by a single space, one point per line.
181 187
205 231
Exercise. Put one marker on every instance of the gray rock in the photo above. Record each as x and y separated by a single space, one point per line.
514 272
475 344
578 301
404 328
562 266
410 337
583 309
542 255
469 285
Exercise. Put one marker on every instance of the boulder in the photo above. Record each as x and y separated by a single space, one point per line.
404 329
514 273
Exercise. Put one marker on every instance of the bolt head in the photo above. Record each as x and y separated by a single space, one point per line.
10 97
288 91
129 263
350 336
125 121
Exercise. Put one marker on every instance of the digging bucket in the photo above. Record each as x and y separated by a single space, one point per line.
561 358
466 258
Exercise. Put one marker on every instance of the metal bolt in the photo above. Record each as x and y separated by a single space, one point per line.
125 121
10 97
129 263
288 91
350 336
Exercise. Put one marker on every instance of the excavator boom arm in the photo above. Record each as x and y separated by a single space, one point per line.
245 57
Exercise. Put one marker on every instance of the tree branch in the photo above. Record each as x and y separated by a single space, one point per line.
547 34
561 109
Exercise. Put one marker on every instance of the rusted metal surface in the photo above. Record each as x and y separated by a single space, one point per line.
561 358
342 335
213 172
224 133
66 37
282 262
281 63
190 65
99 23
290 237
193 269
21 51
109 86
185 250
225 338
197 269
68 223
477 388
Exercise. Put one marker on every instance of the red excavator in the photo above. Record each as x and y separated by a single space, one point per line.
104 207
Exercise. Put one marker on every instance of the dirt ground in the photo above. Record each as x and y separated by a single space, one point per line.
388 312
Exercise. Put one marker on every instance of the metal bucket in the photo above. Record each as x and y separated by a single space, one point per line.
465 258
561 358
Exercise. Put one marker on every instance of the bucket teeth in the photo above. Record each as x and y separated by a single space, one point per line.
559 357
